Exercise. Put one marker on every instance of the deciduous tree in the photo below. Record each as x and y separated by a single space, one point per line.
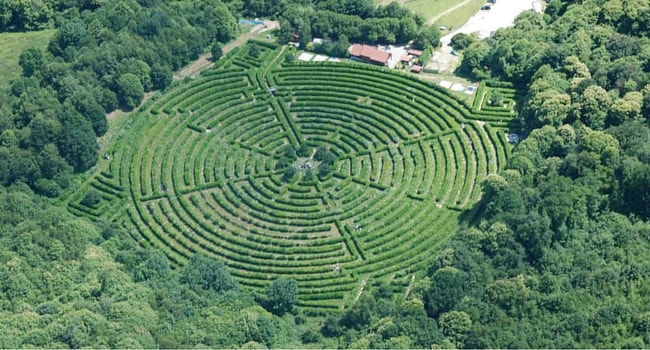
31 60
130 90
209 274
281 295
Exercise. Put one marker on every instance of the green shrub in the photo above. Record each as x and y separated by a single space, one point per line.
91 199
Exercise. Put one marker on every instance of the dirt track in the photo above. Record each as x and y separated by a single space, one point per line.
433 20
205 60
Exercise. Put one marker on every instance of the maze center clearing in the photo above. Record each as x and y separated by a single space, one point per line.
385 165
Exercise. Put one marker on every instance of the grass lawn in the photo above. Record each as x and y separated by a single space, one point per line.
432 8
454 79
460 15
427 8
11 45
266 36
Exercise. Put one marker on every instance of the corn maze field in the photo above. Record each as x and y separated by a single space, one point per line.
195 171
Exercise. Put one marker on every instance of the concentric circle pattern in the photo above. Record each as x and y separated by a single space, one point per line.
203 178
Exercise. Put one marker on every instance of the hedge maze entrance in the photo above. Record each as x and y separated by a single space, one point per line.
197 171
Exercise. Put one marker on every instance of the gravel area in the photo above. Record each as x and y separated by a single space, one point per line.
485 23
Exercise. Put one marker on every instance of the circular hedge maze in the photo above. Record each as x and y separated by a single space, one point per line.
333 174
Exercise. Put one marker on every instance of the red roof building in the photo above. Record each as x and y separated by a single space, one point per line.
370 54
405 59
416 68
414 52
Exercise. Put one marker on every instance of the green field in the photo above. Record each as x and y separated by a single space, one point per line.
408 160
432 9
459 16
427 8
11 45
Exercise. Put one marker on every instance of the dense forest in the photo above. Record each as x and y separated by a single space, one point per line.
558 258
104 55
66 282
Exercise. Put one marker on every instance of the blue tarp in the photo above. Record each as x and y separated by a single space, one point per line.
251 21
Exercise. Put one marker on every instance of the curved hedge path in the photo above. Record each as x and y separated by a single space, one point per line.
196 172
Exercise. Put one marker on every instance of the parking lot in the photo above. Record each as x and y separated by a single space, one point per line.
501 14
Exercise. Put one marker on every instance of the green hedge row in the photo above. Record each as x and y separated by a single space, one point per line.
402 156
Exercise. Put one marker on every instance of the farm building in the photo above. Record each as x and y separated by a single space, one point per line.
370 54
416 68
405 59
414 53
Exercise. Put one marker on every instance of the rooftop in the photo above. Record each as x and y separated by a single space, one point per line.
414 52
370 53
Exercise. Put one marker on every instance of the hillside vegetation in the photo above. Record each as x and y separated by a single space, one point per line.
69 283
554 254
103 55
12 45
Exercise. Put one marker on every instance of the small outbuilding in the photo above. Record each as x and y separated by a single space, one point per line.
414 53
416 68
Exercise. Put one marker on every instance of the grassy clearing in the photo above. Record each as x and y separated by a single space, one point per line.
11 45
431 9
265 36
428 8
460 15
437 78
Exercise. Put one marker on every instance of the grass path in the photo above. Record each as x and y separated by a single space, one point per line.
363 285
410 287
